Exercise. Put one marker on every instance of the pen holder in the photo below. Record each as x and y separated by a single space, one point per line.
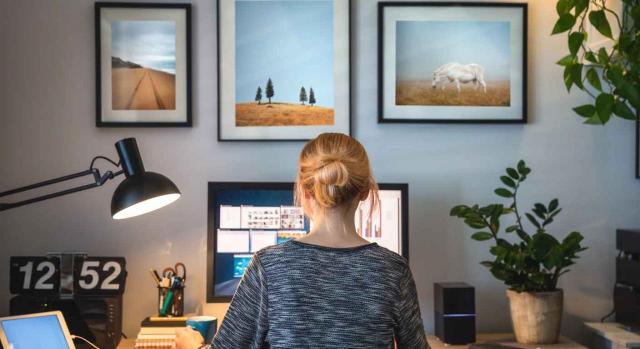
171 301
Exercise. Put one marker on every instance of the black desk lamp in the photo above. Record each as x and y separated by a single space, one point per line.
139 193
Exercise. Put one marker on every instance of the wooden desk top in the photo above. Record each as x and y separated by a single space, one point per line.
502 338
505 339
615 333
128 343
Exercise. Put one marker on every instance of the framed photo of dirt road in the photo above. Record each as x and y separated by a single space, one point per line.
283 69
143 64
445 62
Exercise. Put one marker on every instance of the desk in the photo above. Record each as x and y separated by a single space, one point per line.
128 343
502 338
612 335
505 339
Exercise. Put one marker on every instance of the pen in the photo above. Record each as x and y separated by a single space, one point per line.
155 276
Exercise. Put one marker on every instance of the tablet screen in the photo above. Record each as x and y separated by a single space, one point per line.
20 333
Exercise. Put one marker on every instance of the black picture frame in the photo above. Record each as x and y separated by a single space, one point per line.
638 146
98 6
212 217
381 49
219 86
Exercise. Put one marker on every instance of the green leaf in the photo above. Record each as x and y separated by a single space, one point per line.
541 207
482 236
513 173
523 235
542 245
575 72
458 210
564 23
603 56
599 20
511 229
591 57
475 224
604 106
580 6
593 120
522 167
553 204
564 6
566 60
594 79
573 239
533 220
575 41
566 75
614 73
487 264
621 109
503 193
538 213
586 110
508 181
497 210
631 93
495 222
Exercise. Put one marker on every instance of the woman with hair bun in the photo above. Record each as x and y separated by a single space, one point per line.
330 288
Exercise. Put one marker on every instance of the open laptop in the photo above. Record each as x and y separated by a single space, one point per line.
35 331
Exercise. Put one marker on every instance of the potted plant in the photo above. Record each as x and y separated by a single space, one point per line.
611 76
528 263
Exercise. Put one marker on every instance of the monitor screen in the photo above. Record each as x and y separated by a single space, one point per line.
246 217
19 332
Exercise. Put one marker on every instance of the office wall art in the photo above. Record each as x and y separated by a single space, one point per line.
283 69
143 67
452 62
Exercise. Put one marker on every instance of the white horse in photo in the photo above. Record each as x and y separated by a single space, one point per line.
459 73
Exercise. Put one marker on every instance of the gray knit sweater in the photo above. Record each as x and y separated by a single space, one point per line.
297 295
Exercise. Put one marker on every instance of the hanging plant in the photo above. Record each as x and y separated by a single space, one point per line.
610 76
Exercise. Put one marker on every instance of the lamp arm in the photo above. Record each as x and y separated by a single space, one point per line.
98 180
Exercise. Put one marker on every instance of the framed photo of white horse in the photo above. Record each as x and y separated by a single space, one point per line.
452 62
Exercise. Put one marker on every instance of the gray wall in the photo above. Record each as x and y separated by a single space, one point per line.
47 129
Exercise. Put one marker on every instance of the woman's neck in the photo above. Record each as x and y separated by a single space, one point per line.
334 228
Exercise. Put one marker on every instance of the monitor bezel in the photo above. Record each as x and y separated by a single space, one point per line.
212 217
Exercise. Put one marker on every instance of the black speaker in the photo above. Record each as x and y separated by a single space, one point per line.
627 305
455 312
626 296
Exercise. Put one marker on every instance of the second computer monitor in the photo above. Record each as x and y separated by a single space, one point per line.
245 217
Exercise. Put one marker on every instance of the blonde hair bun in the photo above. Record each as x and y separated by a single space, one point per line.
334 169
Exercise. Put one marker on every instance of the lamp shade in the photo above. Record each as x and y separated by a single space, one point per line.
141 191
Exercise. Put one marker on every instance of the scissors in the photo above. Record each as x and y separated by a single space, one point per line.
176 271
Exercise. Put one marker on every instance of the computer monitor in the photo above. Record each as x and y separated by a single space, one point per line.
244 217
35 331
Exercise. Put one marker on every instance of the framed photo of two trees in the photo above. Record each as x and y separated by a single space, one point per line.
283 69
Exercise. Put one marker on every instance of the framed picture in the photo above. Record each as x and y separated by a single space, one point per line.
452 62
638 148
283 69
143 64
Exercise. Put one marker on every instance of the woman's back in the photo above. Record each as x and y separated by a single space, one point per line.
298 295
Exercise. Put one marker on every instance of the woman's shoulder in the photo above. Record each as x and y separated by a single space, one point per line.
294 249
393 259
